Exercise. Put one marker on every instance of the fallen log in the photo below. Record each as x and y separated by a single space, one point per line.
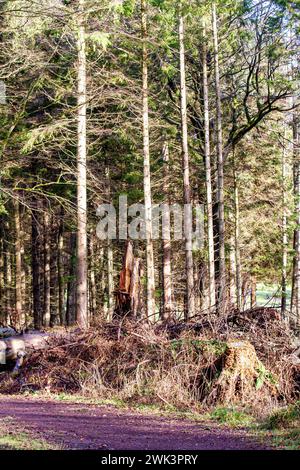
15 348
7 331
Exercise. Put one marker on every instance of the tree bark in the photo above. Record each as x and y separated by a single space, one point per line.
2 284
284 233
166 240
71 288
8 283
189 266
237 238
60 271
147 172
20 317
208 180
54 284
253 292
296 273
82 287
232 259
110 280
221 278
35 267
46 230
92 290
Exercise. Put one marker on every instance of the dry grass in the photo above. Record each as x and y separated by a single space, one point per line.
186 366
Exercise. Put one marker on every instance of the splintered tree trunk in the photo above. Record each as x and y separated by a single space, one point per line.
221 278
189 267
129 294
284 233
82 287
166 241
20 317
46 229
123 303
147 177
208 179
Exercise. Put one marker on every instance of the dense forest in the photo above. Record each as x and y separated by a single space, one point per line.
186 103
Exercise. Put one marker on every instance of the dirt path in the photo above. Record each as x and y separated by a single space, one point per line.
81 426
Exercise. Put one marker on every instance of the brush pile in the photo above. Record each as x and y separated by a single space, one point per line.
217 361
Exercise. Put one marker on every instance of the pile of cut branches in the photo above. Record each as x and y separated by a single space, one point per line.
151 363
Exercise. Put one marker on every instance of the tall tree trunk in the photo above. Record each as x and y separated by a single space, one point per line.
296 273
20 317
71 288
166 240
25 268
208 180
2 283
221 278
46 230
54 283
253 292
147 175
35 267
237 238
82 287
92 289
189 267
110 279
284 232
102 261
232 267
60 271
9 299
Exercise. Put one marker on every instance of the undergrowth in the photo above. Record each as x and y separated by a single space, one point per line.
232 417
175 366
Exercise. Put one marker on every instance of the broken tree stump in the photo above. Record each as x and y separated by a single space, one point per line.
128 296
237 375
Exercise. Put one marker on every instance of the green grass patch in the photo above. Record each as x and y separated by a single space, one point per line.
14 438
232 417
201 346
282 427
284 418
270 295
287 439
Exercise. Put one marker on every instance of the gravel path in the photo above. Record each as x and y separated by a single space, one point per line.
81 426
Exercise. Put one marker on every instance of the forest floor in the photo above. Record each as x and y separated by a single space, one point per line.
41 424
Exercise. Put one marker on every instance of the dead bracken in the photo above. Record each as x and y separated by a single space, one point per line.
180 365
